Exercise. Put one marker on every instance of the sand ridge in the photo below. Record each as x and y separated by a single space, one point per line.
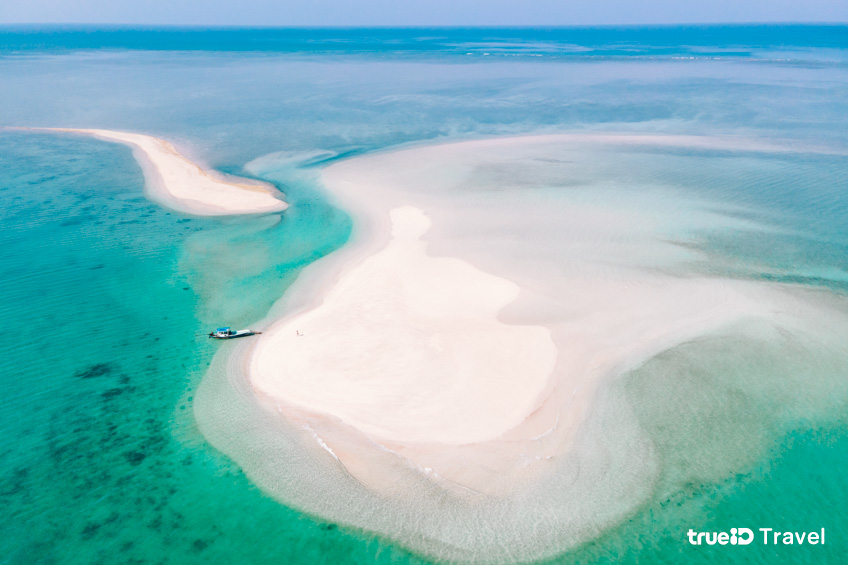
176 182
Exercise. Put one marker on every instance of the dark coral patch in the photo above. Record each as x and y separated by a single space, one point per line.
112 392
199 545
135 457
94 371
90 530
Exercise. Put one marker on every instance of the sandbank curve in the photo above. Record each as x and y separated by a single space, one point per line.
177 183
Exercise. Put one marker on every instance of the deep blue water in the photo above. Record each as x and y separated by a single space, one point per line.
744 41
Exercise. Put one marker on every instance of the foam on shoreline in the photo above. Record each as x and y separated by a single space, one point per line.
179 184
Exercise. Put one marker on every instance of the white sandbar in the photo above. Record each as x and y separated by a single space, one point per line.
408 347
178 183
478 376
451 378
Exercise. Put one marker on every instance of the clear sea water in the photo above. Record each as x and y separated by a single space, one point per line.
104 295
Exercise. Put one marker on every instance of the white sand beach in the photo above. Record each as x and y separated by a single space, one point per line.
178 183
471 359
458 376
408 347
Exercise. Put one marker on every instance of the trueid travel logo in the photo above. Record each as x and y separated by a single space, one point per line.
746 536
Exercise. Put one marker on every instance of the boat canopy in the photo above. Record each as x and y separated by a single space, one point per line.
223 329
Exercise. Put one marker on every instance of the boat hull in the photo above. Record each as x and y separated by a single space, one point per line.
235 335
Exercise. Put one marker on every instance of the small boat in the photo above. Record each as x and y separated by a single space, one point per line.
227 333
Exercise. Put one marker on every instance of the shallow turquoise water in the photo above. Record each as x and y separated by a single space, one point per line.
106 292
101 461
794 487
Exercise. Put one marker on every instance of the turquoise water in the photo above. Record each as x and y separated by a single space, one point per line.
101 461
106 293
